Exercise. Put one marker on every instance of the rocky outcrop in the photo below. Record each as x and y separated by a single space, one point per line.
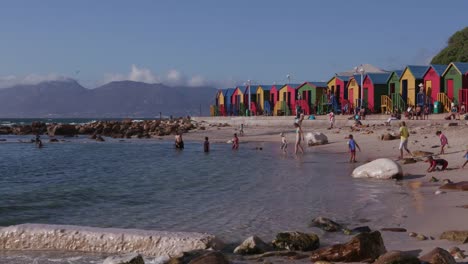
460 186
365 247
396 257
252 245
132 258
457 236
199 257
314 139
379 169
62 130
438 256
325 224
421 154
103 240
296 241
388 136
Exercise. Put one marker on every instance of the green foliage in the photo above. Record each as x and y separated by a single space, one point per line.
456 50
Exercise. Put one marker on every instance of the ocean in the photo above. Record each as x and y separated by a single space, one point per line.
147 184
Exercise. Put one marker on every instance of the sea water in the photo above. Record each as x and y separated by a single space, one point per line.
147 184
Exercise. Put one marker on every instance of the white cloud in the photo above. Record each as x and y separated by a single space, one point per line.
13 80
136 74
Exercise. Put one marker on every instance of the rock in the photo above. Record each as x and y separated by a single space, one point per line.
409 160
397 257
388 136
421 237
438 192
438 256
445 181
393 229
451 124
365 247
132 258
433 179
379 169
103 240
325 224
62 130
296 241
361 229
458 236
252 245
457 253
100 139
461 186
314 139
199 257
52 140
413 234
421 154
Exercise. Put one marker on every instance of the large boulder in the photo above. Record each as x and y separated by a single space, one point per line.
316 139
296 241
379 169
365 247
131 258
388 136
397 257
325 224
457 236
252 245
438 256
62 130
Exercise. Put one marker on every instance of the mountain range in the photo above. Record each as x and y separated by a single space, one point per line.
67 98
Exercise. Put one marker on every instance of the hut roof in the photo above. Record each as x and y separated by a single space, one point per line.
319 84
397 73
266 87
438 68
379 78
229 92
461 66
417 71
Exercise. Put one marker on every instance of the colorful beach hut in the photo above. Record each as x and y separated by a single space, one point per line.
274 95
228 101
338 85
411 77
220 108
286 100
354 90
393 98
237 101
263 99
310 94
455 85
253 99
375 86
433 81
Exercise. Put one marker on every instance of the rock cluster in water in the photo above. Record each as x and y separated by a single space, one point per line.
115 129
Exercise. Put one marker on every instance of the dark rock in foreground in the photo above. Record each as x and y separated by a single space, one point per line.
199 257
252 245
325 224
438 256
132 258
365 247
397 257
457 236
296 241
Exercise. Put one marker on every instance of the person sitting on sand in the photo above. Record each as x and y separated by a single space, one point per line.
404 135
356 126
299 138
453 113
235 142
284 143
466 158
409 114
352 144
443 141
436 164
418 113
179 142
206 145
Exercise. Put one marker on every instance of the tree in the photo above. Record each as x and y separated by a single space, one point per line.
456 50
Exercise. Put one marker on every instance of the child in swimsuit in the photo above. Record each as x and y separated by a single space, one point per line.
235 142
284 143
443 141
352 144
436 164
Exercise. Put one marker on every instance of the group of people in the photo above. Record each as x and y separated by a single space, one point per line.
455 112
419 112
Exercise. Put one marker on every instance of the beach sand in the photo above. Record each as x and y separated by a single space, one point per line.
425 212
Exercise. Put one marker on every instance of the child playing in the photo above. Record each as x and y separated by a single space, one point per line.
241 131
443 141
466 157
436 164
235 142
331 116
352 144
206 145
284 143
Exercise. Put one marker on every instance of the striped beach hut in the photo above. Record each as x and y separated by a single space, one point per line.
375 86
411 77
263 98
455 85
433 81
310 94
286 100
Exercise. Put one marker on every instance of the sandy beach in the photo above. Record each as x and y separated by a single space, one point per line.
425 212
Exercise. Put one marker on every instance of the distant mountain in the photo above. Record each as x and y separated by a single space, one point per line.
116 99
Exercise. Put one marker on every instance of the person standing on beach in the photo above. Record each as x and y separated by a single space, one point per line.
206 145
443 141
299 138
235 142
331 116
466 158
404 135
284 143
352 144
241 130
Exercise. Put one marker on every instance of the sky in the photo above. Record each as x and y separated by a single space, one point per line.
219 43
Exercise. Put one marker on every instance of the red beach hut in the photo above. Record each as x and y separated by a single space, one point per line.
433 81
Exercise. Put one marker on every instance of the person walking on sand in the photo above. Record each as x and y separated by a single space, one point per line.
241 130
299 138
443 141
331 117
352 144
235 142
284 143
466 158
404 135
436 164
206 145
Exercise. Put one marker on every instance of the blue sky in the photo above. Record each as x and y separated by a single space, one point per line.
218 42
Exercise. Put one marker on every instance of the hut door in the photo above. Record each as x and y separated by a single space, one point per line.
392 88
428 87
404 90
366 97
309 97
338 92
289 98
450 89
350 96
